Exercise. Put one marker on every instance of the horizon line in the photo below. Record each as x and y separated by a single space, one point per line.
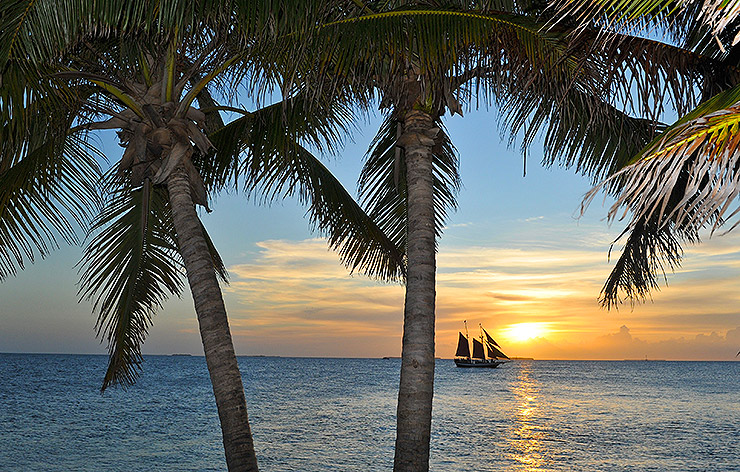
184 354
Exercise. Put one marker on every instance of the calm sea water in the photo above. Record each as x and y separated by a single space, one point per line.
339 414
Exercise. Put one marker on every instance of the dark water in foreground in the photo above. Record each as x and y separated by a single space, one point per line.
338 415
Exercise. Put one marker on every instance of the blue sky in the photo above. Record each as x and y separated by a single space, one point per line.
514 257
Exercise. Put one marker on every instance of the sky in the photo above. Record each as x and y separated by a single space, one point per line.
516 257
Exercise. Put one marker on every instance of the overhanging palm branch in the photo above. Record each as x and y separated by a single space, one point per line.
442 41
129 268
360 242
717 15
269 129
265 148
580 130
709 26
721 17
685 180
597 124
702 147
648 252
678 18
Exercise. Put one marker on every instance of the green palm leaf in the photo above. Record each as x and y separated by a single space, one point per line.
634 15
47 193
129 268
701 149
445 40
581 130
714 16
263 148
648 252
361 244
270 129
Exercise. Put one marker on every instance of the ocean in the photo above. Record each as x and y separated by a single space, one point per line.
310 414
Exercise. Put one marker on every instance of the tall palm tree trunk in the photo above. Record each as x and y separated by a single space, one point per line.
214 327
414 414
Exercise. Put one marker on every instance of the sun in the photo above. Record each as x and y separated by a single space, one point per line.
524 331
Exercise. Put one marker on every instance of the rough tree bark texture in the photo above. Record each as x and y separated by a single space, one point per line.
214 327
414 420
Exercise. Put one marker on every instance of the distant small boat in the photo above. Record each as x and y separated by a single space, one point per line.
479 358
180 355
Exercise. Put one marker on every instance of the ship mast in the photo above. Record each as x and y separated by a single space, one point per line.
480 326
467 337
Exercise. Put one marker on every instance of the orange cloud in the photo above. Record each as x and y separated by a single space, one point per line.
623 345
295 298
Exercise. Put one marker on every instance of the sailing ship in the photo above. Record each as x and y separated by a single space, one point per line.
494 358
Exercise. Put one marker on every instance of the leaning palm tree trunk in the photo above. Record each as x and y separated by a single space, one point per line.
414 420
214 326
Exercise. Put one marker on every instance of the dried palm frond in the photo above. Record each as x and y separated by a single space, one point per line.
702 150
686 180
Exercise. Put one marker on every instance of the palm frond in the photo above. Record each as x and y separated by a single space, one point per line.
634 17
382 184
271 128
700 151
129 268
581 130
712 18
46 194
440 41
361 244
721 15
653 245
685 180
645 73
649 250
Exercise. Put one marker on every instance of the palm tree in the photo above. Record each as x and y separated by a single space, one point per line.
685 179
148 70
424 59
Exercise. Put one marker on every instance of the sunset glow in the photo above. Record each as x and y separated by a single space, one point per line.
527 272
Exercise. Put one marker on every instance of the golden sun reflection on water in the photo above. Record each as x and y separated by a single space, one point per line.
526 445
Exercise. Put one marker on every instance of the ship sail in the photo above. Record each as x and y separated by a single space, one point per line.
493 351
478 350
489 339
463 350
493 347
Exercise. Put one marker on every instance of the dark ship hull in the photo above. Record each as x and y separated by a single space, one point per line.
488 363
